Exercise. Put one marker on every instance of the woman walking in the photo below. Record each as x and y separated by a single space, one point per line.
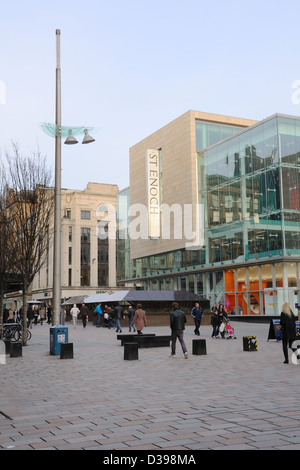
288 328
139 319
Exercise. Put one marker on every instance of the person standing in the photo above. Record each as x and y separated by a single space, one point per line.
288 328
49 314
42 314
197 313
214 323
84 311
99 315
177 325
35 314
131 313
29 316
74 312
139 319
5 314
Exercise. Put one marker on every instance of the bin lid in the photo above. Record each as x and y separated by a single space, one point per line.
60 327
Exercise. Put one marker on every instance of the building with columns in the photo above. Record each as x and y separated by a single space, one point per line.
88 258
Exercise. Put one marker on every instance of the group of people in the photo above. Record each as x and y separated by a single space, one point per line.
111 317
34 315
219 315
137 321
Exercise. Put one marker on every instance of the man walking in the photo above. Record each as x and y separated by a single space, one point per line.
197 313
177 325
84 314
119 313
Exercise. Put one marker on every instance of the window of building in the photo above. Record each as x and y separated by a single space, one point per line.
85 215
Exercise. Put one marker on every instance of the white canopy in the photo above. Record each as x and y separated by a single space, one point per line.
113 296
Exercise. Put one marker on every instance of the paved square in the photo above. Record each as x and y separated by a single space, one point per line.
228 399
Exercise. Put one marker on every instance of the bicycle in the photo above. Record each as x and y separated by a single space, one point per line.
14 332
10 332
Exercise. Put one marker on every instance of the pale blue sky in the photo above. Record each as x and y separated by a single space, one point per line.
131 66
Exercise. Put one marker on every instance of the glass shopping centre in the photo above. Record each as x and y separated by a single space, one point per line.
246 176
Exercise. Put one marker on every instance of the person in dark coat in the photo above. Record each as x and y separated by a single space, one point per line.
197 313
84 311
288 328
118 313
214 321
5 314
177 325
222 315
29 316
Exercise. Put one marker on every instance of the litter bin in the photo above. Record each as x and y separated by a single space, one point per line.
58 335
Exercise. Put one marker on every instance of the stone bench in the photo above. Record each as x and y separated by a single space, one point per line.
130 338
153 341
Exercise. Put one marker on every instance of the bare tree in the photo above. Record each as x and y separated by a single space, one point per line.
5 258
29 207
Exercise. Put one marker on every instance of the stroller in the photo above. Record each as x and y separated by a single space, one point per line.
226 330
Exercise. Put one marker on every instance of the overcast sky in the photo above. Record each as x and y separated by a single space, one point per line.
131 66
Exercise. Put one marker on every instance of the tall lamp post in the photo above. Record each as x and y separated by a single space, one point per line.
58 131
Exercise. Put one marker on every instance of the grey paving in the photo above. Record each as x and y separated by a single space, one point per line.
229 399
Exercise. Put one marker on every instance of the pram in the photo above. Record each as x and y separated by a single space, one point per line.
226 330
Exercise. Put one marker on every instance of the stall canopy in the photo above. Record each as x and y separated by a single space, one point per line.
143 296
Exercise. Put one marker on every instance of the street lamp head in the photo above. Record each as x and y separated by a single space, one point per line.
87 138
70 140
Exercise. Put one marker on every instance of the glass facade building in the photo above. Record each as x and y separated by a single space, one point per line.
250 187
248 181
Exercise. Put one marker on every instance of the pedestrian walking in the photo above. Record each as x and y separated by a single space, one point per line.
197 313
84 311
118 313
214 321
110 320
139 319
177 325
29 317
288 328
131 313
74 312
222 317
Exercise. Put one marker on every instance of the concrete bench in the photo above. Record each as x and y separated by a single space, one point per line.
130 338
153 341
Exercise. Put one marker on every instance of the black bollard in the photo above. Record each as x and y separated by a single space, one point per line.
131 351
199 347
15 349
66 351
